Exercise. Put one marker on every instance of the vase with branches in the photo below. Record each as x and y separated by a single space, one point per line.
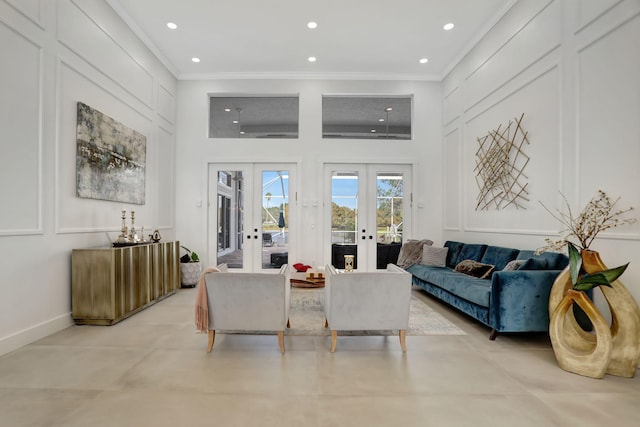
611 348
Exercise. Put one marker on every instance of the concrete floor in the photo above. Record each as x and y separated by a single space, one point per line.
153 370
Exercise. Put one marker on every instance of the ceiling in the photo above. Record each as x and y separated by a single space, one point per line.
270 39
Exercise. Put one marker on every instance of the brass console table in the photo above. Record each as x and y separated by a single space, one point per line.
111 284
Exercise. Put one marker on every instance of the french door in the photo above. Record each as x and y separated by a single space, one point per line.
367 209
250 207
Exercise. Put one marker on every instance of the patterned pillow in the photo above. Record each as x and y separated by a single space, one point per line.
474 268
411 252
434 257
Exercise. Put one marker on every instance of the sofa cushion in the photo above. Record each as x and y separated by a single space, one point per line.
468 288
411 252
499 256
454 252
474 268
535 264
471 251
555 260
428 274
434 256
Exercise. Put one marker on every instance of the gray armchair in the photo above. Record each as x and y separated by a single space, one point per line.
248 302
360 301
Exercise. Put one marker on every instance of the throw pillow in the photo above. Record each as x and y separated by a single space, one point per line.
434 257
411 252
534 264
513 265
474 268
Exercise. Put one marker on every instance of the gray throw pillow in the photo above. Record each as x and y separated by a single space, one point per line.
434 257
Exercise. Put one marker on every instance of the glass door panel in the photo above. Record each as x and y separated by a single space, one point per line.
389 216
230 218
344 217
274 218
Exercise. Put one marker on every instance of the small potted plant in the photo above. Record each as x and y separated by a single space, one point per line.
190 268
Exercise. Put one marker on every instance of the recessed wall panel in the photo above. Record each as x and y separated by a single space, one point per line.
588 10
32 9
166 103
166 178
608 116
528 45
82 215
452 106
539 101
83 36
20 136
451 196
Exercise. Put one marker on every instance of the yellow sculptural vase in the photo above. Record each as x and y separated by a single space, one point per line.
612 348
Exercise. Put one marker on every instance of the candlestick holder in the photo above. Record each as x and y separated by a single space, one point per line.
122 238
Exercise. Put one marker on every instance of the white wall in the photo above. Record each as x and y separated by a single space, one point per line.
195 150
54 54
572 67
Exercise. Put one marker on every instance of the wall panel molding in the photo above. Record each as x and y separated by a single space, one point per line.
101 212
586 18
30 9
453 176
166 104
73 26
21 165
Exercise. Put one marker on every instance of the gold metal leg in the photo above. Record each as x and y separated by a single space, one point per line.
403 340
281 341
212 336
334 338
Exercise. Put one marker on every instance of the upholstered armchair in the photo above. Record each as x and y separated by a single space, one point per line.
361 301
248 302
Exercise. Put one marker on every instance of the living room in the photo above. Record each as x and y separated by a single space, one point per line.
569 66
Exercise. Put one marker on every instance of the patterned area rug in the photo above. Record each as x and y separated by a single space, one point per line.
306 316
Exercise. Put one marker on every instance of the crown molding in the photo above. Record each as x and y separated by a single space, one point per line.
307 76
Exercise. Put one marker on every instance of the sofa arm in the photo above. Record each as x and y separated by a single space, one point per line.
519 300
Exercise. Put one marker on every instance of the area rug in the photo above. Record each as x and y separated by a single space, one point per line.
306 316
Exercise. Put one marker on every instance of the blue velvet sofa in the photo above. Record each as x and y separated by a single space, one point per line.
507 301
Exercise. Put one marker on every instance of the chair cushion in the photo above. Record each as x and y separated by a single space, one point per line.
499 256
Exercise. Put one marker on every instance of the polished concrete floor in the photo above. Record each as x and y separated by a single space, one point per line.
153 370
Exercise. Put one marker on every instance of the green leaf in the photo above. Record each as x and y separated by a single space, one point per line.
601 278
575 262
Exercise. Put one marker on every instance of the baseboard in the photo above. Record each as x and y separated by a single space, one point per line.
34 333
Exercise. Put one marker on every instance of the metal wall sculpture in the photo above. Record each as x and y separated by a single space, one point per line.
500 164
110 158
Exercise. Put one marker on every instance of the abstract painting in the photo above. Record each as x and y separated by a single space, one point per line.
110 158
500 164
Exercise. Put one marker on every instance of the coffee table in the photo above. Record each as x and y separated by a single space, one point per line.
300 280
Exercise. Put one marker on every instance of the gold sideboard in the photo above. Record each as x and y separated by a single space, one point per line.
110 284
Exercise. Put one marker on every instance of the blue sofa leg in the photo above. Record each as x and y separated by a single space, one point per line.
493 335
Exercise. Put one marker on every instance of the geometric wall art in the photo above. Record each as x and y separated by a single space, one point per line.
110 158
500 165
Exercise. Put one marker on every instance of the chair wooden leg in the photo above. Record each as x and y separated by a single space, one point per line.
212 336
281 341
334 338
403 340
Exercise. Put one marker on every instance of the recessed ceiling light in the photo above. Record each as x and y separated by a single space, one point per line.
424 60
388 109
172 25
196 60
373 131
312 59
227 110
312 25
448 26
235 122
381 120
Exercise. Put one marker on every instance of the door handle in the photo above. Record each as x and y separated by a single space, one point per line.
364 237
370 237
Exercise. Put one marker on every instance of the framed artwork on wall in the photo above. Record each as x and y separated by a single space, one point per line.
110 158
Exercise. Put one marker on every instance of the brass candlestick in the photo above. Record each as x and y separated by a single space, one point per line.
122 238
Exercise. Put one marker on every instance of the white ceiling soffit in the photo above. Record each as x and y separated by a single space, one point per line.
355 39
